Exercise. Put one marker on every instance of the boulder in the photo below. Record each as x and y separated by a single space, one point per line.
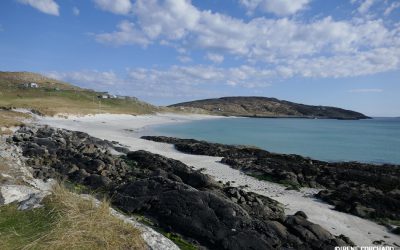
97 181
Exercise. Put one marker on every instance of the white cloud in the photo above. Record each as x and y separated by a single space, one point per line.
366 90
365 6
46 6
278 7
173 82
364 63
184 59
215 58
172 18
127 34
391 8
122 7
199 75
290 45
76 11
88 78
198 80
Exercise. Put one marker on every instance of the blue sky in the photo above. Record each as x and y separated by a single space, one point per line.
343 53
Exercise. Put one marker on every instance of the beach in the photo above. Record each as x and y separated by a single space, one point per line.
127 129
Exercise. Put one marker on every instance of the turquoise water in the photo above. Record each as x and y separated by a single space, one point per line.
374 141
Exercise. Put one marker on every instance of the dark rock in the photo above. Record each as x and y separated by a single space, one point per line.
363 211
302 214
96 165
73 169
97 181
374 188
79 176
175 197
396 230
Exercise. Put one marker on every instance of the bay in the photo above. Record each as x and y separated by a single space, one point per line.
373 141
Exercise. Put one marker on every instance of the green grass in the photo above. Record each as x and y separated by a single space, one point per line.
263 177
181 243
386 221
66 222
19 228
51 102
77 188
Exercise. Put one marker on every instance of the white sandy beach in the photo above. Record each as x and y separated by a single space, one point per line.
126 130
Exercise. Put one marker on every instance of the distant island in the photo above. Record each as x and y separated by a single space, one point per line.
265 107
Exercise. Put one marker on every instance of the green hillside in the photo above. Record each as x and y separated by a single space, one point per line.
53 97
256 106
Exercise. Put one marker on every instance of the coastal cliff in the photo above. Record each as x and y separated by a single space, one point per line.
268 107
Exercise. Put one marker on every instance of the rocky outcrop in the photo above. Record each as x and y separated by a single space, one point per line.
252 106
173 196
365 190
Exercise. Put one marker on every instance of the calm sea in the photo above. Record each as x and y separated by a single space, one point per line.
374 141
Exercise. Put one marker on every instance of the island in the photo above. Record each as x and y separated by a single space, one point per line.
265 107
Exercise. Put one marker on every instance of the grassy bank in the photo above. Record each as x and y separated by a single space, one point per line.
66 222
10 119
54 97
51 102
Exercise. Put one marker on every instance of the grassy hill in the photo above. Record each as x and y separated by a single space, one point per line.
53 97
267 107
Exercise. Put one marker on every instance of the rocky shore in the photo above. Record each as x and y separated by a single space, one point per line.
171 195
366 190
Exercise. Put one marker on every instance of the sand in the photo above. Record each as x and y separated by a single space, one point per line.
127 129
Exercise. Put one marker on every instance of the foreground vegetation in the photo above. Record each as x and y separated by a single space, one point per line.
9 118
66 221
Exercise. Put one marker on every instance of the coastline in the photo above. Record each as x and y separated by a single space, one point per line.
126 130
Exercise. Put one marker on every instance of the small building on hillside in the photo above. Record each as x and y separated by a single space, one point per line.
106 96
31 85
102 96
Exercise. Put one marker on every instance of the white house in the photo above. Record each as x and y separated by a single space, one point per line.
31 85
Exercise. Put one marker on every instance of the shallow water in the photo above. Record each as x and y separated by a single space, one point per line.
374 141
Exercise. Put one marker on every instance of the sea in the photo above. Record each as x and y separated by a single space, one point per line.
374 140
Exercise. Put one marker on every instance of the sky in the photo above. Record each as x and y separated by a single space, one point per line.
343 53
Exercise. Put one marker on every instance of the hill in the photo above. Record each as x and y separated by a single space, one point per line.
268 107
54 97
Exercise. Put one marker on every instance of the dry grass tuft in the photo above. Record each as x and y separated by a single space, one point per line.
83 225
67 221
3 165
4 169
9 119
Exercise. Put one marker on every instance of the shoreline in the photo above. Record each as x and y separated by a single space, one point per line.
331 154
126 129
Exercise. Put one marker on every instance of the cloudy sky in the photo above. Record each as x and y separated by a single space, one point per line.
342 53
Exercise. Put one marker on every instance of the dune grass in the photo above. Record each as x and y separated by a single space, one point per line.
10 119
66 222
